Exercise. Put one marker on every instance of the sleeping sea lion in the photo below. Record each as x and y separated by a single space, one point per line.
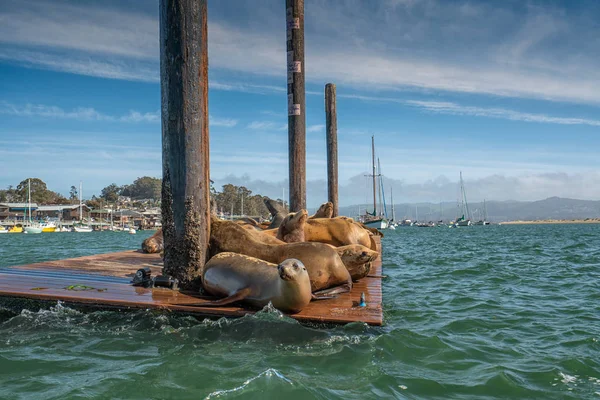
155 243
325 268
337 232
257 282
247 221
325 211
291 229
357 259
374 231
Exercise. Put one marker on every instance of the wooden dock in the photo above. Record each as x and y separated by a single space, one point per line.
105 283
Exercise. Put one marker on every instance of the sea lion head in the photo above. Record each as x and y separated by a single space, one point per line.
357 254
296 218
153 244
291 269
291 229
325 211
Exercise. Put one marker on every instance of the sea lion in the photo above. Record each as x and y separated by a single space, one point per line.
278 212
257 282
291 229
357 259
337 232
325 211
155 243
325 267
247 221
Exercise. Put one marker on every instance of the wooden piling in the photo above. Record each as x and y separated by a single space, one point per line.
184 98
332 152
296 103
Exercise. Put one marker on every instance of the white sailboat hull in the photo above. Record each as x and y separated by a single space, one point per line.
83 229
32 229
377 224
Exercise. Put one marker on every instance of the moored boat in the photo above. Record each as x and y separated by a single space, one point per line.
32 229
16 229
82 228
48 227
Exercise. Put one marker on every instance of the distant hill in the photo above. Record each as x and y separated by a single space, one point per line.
497 211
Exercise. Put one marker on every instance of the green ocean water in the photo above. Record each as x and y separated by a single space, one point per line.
495 312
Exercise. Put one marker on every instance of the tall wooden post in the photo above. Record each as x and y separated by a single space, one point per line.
296 103
184 98
332 152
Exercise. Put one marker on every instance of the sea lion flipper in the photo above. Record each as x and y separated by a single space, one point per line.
321 297
346 287
237 296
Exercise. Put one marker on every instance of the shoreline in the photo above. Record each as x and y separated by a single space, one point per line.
552 221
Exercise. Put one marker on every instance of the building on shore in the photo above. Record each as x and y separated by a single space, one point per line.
16 211
62 212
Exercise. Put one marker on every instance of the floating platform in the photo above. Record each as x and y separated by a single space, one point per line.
103 282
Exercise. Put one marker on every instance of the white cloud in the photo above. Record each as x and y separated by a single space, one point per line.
80 113
524 187
501 52
223 122
135 116
457 109
266 126
315 128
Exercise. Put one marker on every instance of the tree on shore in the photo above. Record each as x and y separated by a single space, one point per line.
230 199
145 187
39 192
111 193
73 194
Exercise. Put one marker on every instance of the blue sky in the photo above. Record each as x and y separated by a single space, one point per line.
507 92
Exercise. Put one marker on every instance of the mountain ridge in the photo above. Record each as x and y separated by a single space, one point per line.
497 211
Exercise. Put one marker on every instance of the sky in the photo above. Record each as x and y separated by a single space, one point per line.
506 92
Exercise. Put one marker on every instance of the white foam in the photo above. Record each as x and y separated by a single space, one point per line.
268 373
567 378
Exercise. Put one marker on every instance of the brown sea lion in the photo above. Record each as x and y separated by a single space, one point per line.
278 212
357 259
248 221
325 211
257 282
374 231
291 229
337 232
155 243
325 267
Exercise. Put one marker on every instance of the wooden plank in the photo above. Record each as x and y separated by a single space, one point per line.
109 276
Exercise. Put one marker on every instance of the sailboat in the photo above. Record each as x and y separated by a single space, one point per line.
483 221
31 227
81 227
392 223
374 220
465 219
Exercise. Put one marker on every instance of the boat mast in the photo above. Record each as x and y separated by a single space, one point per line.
80 207
484 211
464 197
374 176
382 207
29 197
393 210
